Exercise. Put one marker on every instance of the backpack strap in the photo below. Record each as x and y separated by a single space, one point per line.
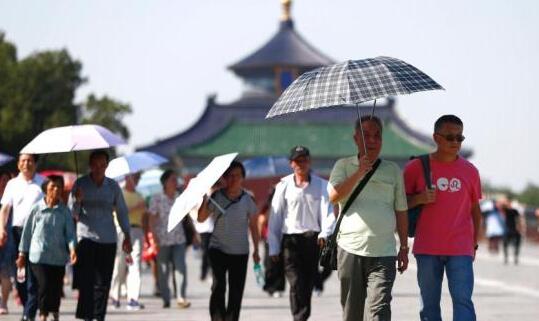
425 162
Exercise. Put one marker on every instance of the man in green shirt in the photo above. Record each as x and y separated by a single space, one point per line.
366 239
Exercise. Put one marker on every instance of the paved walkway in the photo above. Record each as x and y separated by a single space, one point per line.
502 293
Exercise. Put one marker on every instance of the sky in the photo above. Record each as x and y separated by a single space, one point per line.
166 57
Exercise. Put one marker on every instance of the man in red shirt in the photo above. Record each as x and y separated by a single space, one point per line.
447 230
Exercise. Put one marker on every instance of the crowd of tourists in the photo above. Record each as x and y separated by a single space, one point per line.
102 231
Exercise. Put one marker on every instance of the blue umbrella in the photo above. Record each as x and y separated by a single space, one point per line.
133 163
4 159
267 166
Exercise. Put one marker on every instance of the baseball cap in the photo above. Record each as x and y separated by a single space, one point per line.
298 151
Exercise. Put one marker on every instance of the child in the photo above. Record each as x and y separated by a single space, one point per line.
47 235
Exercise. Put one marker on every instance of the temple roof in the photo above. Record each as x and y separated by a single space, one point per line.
241 127
286 49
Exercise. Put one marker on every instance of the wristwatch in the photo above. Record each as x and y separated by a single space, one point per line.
476 247
404 248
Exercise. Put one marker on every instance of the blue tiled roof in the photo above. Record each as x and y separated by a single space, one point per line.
286 48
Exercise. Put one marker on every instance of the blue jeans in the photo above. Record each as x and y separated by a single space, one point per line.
172 255
430 274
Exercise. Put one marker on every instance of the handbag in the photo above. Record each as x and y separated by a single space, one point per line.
414 213
328 254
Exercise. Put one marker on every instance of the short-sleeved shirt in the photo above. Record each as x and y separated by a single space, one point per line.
445 227
368 227
22 195
132 200
230 233
160 205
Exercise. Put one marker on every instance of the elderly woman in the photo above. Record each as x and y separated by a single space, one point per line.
48 242
234 213
171 245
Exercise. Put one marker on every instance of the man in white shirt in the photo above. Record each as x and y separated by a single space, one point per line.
20 195
300 220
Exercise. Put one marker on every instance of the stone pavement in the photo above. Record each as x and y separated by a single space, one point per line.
502 293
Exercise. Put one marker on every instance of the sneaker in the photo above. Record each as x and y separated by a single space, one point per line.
277 294
115 303
183 304
134 305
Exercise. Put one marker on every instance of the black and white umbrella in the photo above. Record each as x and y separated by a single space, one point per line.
350 83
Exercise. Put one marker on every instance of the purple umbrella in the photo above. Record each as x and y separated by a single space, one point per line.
4 159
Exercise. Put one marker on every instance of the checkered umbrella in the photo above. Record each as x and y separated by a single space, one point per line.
350 83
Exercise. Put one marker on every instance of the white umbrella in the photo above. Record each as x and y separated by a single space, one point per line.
133 163
72 138
197 187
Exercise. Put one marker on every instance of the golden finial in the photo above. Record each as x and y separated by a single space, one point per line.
286 10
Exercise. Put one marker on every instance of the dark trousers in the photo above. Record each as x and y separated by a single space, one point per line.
51 280
514 239
27 290
300 252
236 267
94 273
204 246
274 273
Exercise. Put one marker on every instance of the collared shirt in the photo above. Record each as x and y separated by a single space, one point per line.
368 227
96 220
296 210
160 206
47 234
22 195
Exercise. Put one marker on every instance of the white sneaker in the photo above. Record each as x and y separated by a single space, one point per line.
277 294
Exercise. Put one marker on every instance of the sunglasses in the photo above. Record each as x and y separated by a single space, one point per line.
452 138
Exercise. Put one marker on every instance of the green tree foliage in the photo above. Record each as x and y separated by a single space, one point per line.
38 92
530 195
107 113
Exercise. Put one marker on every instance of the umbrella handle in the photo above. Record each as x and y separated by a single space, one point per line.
216 205
373 106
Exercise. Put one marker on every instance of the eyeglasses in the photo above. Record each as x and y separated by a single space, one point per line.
452 138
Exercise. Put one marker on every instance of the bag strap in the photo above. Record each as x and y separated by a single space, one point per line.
234 201
425 161
353 196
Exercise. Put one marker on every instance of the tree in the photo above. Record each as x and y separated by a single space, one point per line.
38 92
106 112
530 195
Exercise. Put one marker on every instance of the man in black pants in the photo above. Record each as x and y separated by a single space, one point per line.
96 197
300 221
513 230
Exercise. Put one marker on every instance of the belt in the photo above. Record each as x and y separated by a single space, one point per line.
136 225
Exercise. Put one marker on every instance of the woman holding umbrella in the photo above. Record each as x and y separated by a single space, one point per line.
234 212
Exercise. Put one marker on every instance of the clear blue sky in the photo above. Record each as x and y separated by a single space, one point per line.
164 57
